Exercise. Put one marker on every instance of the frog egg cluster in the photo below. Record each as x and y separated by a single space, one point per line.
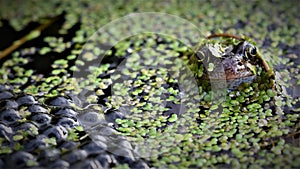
36 134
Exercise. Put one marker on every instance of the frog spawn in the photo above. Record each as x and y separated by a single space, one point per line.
35 134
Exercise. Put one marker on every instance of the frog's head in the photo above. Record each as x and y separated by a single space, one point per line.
247 50
241 61
252 57
244 63
238 59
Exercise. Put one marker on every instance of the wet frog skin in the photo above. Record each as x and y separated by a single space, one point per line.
235 61
239 63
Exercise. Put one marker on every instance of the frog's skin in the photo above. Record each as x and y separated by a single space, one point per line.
235 63
238 62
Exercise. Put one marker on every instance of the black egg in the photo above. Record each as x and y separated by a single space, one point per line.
8 104
9 116
4 87
123 155
74 156
58 132
59 101
68 145
5 131
47 156
68 112
35 108
26 100
107 131
90 119
111 115
28 127
67 122
106 160
20 159
93 148
41 119
59 164
5 95
36 144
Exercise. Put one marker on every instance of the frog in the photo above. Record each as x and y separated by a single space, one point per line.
231 59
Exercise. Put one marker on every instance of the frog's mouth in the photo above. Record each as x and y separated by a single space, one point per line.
232 67
236 69
234 73
234 60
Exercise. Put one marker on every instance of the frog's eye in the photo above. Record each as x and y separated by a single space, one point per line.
251 51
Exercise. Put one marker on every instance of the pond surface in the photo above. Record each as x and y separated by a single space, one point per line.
70 98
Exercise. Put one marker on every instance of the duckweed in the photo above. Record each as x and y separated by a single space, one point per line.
245 131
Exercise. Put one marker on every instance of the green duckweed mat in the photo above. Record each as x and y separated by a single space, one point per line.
60 108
